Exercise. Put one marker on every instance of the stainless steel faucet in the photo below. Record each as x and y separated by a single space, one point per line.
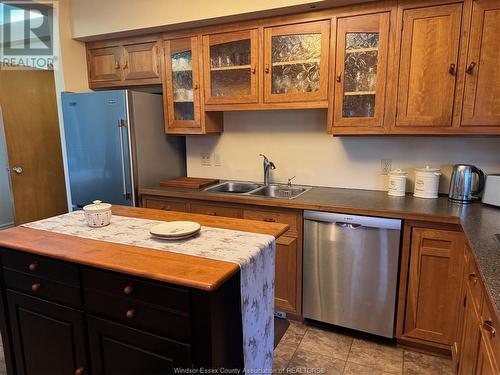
267 165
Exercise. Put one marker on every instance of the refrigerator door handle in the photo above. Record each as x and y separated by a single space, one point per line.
121 125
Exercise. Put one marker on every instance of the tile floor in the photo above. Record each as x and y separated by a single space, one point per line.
326 352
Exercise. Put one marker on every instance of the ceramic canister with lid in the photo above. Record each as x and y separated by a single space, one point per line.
427 182
397 183
97 214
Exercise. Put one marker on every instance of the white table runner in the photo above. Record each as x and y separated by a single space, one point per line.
255 254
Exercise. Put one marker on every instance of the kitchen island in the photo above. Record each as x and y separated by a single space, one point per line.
77 305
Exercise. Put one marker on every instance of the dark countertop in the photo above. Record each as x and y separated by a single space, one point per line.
480 222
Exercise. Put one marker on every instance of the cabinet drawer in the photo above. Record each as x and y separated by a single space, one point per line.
43 288
167 205
41 266
474 283
490 328
215 210
151 318
282 217
134 290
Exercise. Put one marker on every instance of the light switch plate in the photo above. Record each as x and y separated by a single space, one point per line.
217 160
206 159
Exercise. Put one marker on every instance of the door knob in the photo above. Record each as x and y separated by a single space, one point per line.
18 170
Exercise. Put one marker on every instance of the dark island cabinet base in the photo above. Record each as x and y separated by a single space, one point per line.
136 326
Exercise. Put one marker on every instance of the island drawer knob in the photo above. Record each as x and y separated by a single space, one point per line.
488 326
130 313
128 289
33 266
36 287
473 278
269 220
79 371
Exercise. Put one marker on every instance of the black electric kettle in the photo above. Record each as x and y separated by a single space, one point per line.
462 183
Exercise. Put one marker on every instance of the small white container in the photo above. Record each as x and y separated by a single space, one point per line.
427 182
397 183
97 214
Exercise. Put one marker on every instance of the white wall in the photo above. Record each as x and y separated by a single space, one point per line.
295 140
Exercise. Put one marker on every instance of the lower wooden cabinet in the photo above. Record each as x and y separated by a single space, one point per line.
42 331
470 337
434 284
286 295
118 349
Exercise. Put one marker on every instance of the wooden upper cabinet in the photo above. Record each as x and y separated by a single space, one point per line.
104 64
435 275
481 106
361 70
428 66
141 61
182 82
231 67
296 62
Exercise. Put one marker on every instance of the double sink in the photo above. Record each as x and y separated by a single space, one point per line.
258 190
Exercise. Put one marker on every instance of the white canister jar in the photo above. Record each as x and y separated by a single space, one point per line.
97 214
427 182
397 183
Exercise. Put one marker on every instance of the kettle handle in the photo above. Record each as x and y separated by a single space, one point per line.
480 175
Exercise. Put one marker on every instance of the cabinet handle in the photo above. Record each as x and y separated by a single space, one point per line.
470 68
269 220
79 371
36 287
117 64
33 266
212 213
195 87
473 278
130 313
339 77
253 70
125 66
128 289
267 69
452 69
488 326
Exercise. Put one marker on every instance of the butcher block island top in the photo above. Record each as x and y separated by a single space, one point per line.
185 270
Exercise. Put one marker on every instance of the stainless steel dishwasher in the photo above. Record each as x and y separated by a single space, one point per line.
350 270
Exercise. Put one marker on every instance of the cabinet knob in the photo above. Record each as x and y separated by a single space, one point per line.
473 278
36 287
79 371
33 266
195 87
128 289
339 77
470 68
488 326
269 220
267 69
253 70
117 64
452 69
212 213
130 314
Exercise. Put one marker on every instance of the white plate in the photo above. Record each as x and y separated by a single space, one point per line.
175 229
174 238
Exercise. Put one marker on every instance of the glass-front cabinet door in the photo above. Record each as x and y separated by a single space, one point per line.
230 67
182 84
360 71
296 62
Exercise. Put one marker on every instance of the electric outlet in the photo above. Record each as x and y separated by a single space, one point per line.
206 160
217 160
385 166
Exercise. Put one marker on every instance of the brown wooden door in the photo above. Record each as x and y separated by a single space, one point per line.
29 109
118 349
230 65
47 338
470 337
361 70
181 88
296 62
433 296
105 64
285 293
141 62
428 66
481 105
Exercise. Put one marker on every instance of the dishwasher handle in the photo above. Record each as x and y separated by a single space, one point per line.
353 221
348 225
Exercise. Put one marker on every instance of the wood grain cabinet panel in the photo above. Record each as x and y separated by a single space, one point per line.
481 106
285 294
215 210
141 61
230 65
104 64
428 66
470 336
433 296
165 204
485 362
296 62
361 70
